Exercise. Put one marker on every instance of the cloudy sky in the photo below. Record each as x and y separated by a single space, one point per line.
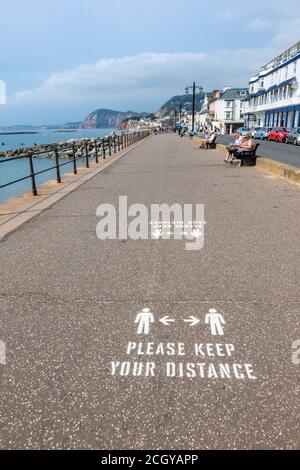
61 59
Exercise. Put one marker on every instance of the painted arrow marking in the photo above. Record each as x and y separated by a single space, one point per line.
193 321
167 321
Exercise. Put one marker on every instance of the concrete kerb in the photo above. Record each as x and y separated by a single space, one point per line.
283 170
18 211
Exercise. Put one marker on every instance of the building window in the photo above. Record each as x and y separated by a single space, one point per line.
295 66
228 115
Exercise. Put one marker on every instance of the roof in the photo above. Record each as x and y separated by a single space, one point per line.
233 94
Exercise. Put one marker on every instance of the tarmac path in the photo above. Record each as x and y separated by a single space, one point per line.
69 302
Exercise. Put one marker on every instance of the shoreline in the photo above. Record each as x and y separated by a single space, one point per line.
16 211
42 142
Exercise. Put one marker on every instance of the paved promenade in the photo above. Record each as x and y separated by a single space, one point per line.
68 303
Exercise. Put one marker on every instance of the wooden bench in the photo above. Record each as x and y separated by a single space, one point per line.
213 145
249 158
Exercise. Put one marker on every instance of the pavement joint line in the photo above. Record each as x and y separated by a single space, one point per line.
58 194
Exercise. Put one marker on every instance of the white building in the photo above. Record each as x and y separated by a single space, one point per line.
274 98
228 109
202 117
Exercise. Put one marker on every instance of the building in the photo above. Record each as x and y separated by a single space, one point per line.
202 116
228 109
274 98
212 106
206 117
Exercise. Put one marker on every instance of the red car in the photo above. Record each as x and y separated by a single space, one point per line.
279 134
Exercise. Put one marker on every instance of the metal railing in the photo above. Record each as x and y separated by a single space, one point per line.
87 150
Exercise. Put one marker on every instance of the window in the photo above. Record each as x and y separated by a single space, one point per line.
295 66
228 115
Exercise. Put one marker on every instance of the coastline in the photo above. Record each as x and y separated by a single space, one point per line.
18 210
19 168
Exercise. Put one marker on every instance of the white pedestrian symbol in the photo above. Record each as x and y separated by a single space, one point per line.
215 320
144 319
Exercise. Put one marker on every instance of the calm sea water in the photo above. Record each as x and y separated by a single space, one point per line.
19 168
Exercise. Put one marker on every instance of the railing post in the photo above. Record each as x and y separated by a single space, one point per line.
119 147
115 145
74 160
32 175
87 156
58 178
96 151
122 142
109 146
103 149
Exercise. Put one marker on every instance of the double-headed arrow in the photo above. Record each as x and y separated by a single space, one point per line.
167 321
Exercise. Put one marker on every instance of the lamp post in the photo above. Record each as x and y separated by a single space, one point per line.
193 88
180 115
175 119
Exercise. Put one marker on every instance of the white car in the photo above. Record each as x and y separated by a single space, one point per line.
253 132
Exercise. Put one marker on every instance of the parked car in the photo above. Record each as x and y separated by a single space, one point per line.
267 132
278 134
262 133
294 136
254 131
244 130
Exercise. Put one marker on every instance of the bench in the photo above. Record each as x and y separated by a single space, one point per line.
249 158
213 145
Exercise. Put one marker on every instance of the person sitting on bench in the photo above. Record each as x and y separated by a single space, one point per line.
247 146
231 147
209 141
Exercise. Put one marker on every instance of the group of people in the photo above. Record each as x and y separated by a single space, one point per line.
205 130
242 144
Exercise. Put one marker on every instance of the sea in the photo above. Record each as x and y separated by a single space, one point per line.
10 171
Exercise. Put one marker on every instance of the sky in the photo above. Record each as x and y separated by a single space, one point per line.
62 59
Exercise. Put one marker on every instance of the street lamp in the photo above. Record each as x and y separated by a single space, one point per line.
193 88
